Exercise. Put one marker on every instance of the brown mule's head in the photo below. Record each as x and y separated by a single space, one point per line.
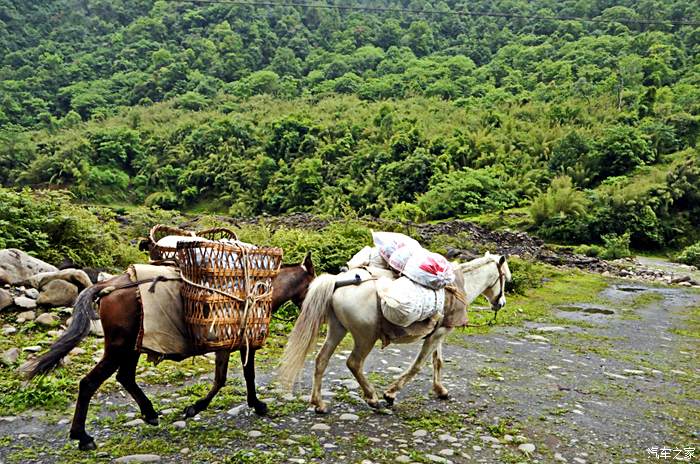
292 283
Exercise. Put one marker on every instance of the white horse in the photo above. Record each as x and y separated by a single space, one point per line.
355 309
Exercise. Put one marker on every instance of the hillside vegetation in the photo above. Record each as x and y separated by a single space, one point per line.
591 126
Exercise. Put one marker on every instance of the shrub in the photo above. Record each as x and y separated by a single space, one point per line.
616 246
592 251
404 212
560 200
690 255
46 224
526 275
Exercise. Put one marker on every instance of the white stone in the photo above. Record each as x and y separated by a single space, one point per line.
138 458
181 424
438 459
320 427
420 433
559 457
235 411
24 302
32 349
489 439
10 356
26 316
397 370
446 452
9 330
447 437
403 459
527 448
550 329
537 338
349 417
46 319
255 434
134 423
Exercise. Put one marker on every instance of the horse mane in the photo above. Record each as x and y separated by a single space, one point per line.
475 264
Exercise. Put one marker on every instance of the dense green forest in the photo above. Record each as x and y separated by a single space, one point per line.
590 128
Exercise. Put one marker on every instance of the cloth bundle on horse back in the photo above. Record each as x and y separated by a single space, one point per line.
406 256
227 293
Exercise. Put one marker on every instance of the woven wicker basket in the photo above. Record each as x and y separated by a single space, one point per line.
227 293
168 253
158 232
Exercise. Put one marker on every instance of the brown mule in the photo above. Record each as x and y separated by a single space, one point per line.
119 313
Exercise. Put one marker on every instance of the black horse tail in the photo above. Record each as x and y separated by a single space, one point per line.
83 313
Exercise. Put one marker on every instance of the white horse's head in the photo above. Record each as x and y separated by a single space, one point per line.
486 276
496 292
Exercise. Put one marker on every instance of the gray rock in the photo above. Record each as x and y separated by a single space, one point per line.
349 417
74 276
24 302
4 277
5 299
236 410
10 356
420 433
537 338
32 293
446 452
9 330
18 266
134 423
558 457
138 458
320 427
403 459
26 316
527 448
58 293
438 459
46 319
181 424
32 349
255 434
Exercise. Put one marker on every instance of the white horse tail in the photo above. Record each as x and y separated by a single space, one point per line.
314 312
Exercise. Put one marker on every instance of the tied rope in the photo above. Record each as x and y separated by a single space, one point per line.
253 296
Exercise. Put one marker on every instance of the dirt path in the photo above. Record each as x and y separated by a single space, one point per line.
593 383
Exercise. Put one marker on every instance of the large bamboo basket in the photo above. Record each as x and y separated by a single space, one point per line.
227 293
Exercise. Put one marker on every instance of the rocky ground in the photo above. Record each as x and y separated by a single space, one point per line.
586 369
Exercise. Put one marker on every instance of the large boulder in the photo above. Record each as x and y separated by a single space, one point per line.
58 293
5 299
17 266
74 276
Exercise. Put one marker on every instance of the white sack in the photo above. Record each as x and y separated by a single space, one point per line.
404 302
367 257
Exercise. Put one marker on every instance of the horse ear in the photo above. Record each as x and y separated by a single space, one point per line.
308 264
502 260
487 254
144 244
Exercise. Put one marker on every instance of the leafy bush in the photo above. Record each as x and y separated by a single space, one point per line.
465 192
690 255
404 212
592 251
616 246
47 225
526 275
561 200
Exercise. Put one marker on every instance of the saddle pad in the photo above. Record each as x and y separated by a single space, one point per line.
163 324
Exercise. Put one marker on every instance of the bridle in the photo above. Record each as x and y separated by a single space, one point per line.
501 279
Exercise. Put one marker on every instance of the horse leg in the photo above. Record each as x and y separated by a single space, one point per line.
219 381
356 362
127 377
249 374
438 362
426 350
88 386
336 333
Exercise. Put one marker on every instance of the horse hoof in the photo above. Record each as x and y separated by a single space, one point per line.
443 396
389 400
374 404
88 445
190 411
151 420
321 410
260 409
